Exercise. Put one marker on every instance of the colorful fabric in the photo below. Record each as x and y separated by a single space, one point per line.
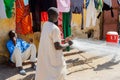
106 7
22 45
98 4
66 25
9 7
63 5
77 6
60 24
44 16
23 18
2 10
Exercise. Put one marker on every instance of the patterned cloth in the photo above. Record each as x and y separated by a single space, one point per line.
23 18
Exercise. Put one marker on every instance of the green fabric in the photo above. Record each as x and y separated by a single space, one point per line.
9 7
66 26
99 5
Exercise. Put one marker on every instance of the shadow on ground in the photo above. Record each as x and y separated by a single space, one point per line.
107 65
6 71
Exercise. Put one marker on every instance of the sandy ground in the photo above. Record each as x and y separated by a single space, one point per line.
83 66
103 70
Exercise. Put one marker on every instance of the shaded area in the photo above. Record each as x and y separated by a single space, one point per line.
107 65
6 71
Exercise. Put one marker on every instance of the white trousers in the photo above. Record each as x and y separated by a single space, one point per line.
91 14
19 57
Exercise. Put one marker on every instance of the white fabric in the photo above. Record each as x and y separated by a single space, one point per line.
108 2
63 5
50 63
19 57
91 14
2 10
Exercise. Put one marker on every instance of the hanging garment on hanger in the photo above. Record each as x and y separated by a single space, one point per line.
23 18
108 2
77 6
63 5
9 7
36 16
46 4
106 7
2 11
99 5
66 25
91 14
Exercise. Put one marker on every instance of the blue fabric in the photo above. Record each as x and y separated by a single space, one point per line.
21 44
77 6
26 2
95 2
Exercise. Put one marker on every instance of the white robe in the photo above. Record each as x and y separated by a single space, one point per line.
91 14
50 64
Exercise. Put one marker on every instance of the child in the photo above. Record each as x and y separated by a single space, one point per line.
51 64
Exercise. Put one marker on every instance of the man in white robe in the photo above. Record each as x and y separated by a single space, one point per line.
51 64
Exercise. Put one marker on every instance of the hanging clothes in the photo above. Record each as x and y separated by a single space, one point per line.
63 5
36 16
23 19
108 2
9 7
60 21
46 4
2 11
77 6
98 4
107 5
44 16
66 25
118 2
38 6
91 14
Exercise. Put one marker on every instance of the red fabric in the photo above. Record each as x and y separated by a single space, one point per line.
44 16
23 18
60 24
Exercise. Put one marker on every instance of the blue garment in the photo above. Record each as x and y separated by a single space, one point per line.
77 6
21 44
95 2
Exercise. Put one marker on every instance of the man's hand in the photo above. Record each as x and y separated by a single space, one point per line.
14 40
